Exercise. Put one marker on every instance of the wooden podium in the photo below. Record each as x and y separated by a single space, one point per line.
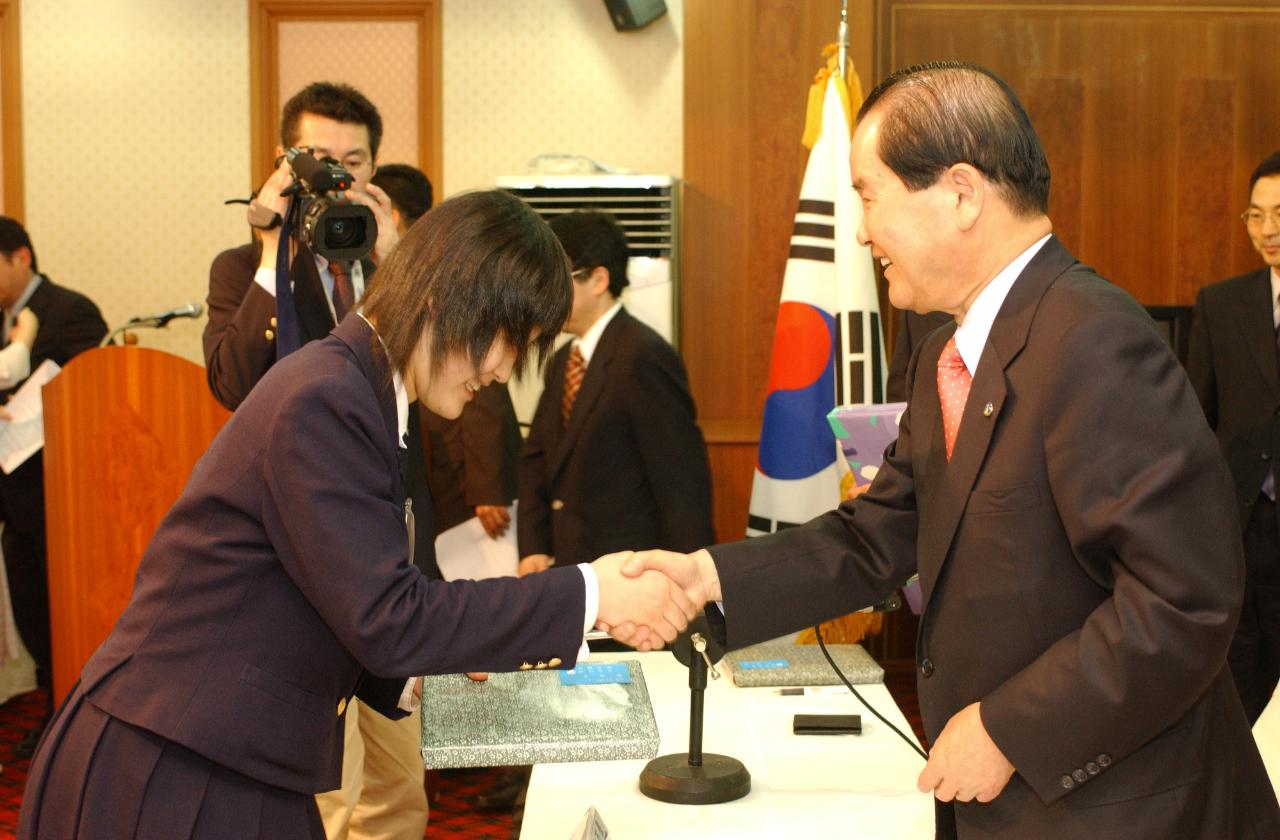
123 428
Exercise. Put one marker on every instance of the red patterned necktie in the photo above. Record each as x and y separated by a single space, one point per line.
953 391
344 293
573 373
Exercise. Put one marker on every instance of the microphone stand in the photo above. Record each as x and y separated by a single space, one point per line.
695 777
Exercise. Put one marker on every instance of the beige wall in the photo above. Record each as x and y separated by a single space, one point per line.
136 126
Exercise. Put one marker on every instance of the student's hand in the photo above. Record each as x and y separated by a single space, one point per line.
655 605
494 519
964 763
478 676
25 327
534 563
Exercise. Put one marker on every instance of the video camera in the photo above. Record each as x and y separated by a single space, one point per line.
331 226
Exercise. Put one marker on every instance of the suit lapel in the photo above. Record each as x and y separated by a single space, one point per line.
946 490
1254 316
593 384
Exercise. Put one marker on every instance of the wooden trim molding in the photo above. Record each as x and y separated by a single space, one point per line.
11 107
265 17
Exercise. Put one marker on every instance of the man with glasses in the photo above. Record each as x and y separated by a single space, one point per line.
1233 365
382 793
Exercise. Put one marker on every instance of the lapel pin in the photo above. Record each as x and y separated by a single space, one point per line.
988 409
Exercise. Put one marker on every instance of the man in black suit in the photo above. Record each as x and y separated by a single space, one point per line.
618 462
1232 364
382 793
68 324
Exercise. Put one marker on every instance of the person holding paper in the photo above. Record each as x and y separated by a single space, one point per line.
42 321
1057 488
280 585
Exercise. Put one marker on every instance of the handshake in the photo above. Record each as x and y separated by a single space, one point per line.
648 597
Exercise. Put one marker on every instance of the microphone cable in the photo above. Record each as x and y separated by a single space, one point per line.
910 742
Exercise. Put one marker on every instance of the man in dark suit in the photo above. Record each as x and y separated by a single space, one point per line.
1056 487
381 796
614 457
68 324
1233 366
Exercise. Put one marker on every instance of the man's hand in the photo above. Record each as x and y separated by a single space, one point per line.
656 606
380 203
965 764
269 197
534 563
695 573
25 327
494 519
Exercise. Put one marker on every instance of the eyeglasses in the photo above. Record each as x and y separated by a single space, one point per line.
1254 217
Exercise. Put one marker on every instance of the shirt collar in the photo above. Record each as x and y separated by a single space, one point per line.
26 293
587 344
1275 295
402 396
971 335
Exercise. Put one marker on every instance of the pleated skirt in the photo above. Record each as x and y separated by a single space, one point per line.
95 777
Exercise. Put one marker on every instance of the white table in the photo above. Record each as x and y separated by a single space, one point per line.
858 786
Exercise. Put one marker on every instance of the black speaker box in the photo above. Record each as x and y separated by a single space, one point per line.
634 14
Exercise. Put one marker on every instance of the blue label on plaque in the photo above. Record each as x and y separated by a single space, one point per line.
763 664
596 673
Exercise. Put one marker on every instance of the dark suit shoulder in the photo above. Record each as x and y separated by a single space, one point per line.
236 261
1235 287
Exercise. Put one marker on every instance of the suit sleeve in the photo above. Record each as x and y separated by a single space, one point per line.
236 350
70 324
339 531
486 427
1151 522
664 422
533 524
1200 361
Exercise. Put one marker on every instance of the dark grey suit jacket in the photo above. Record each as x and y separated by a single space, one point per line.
1232 365
278 585
1081 570
630 470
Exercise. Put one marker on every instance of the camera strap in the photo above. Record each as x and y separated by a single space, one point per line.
288 336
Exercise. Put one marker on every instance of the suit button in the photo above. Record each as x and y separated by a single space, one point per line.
1079 775
557 504
273 322
1104 761
1266 456
1092 768
525 666
342 706
1068 783
268 335
926 667
541 666
554 662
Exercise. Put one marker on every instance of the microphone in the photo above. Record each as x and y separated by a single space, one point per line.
160 319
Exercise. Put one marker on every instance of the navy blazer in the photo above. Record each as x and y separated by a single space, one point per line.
1081 567
279 583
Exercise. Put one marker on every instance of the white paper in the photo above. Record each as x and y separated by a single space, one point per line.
23 435
466 552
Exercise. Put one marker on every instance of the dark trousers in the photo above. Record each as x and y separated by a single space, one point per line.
1255 650
26 567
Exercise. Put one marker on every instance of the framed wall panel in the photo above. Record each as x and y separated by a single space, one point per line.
11 199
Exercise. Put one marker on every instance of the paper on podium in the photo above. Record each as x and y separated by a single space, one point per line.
23 435
528 717
466 552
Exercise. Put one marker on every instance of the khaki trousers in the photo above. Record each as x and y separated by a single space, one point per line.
381 797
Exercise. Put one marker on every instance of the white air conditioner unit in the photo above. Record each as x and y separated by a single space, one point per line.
647 207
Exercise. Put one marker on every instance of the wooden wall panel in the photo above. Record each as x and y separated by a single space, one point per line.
1152 115
11 109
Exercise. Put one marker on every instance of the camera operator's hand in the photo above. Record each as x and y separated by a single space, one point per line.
380 203
269 196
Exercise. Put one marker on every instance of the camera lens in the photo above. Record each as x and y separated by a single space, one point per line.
344 232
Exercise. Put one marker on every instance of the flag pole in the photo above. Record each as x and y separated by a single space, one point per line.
842 40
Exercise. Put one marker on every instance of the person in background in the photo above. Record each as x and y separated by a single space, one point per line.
42 321
1232 364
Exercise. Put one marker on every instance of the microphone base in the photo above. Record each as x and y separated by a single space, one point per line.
670 778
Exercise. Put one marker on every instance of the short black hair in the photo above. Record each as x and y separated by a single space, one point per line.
14 236
947 112
1270 166
407 187
338 102
479 266
594 239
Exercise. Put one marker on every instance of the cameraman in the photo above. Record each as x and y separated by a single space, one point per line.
382 792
